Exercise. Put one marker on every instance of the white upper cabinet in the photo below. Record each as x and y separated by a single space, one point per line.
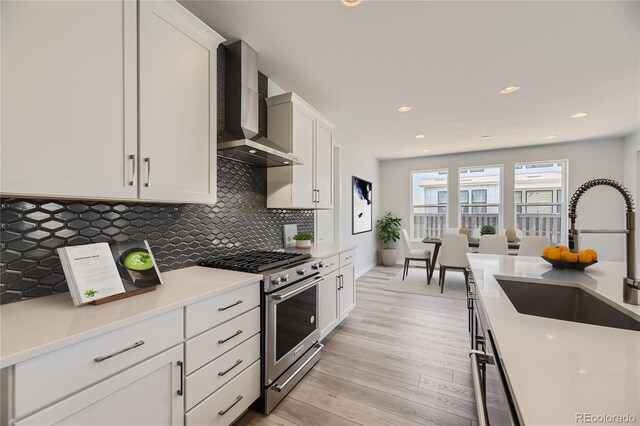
296 126
69 123
177 104
108 100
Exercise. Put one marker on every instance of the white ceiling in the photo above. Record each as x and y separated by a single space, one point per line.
448 60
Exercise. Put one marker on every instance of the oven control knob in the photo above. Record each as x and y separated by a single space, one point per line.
301 271
275 280
315 266
321 264
284 278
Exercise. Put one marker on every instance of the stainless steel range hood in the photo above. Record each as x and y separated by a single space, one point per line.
240 141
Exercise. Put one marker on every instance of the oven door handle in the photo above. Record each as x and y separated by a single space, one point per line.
284 296
281 386
477 358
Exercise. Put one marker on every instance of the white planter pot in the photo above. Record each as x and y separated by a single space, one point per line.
389 256
303 243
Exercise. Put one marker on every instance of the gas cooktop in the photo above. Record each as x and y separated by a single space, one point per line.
257 261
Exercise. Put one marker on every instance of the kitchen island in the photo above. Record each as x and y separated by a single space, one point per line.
561 372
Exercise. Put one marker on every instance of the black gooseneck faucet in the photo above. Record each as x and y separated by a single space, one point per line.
631 284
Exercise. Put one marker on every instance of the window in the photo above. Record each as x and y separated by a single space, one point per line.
481 203
539 206
429 203
464 199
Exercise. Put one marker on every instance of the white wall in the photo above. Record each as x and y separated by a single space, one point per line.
357 161
600 207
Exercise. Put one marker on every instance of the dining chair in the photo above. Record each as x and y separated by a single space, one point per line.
493 244
453 255
410 254
533 246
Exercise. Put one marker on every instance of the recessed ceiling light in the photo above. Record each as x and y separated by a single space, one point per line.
285 162
351 3
580 115
552 137
425 150
509 89
404 109
486 137
419 136
252 151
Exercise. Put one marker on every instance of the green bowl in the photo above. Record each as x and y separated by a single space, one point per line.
137 259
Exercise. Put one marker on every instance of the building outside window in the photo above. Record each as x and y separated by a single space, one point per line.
540 208
429 190
481 203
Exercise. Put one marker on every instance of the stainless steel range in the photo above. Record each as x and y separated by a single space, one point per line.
290 333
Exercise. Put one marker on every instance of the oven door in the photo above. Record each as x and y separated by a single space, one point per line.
292 325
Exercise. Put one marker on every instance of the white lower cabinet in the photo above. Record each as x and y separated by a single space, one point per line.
146 394
329 316
347 291
225 405
157 371
337 291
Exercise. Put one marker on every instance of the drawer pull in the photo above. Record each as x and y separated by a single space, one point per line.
180 391
231 305
222 373
121 351
237 333
238 399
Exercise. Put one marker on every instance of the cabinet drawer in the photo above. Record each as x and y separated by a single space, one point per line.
209 313
51 376
331 263
213 343
347 257
224 406
215 374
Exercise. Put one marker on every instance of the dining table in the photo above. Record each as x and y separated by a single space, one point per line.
473 243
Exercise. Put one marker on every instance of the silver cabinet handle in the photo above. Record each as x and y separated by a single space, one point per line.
132 181
237 333
478 357
318 195
231 305
280 387
238 399
121 351
181 390
147 160
296 291
222 373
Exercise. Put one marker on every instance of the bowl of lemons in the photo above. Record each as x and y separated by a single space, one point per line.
563 258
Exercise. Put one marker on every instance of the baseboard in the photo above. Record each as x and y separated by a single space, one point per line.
365 270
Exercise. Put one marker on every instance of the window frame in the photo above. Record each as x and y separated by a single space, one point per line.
501 204
412 238
564 192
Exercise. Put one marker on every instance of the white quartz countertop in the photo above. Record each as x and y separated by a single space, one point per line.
557 369
37 326
324 250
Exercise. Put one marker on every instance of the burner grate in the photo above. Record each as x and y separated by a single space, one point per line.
257 261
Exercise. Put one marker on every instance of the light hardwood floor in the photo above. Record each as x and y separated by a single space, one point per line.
398 359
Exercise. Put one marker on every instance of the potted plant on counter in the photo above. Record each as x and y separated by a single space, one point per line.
388 228
303 239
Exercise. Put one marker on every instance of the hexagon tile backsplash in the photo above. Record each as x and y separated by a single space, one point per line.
179 235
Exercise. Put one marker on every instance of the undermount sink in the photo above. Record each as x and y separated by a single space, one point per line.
565 303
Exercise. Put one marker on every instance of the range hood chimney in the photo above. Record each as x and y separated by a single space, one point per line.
240 140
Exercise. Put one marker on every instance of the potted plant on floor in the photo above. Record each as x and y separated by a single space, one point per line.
388 228
303 239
